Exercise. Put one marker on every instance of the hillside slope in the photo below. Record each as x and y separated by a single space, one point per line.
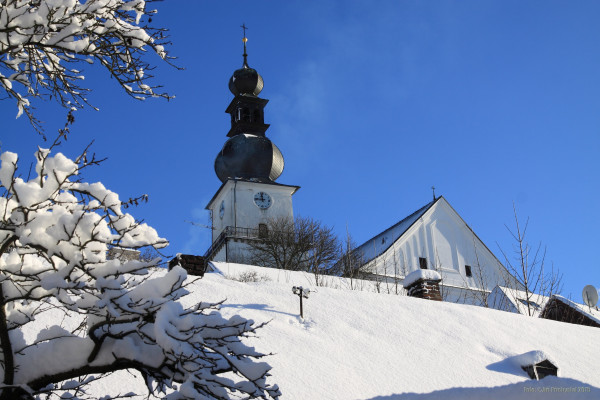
364 345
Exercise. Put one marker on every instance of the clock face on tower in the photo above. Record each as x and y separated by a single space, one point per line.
262 200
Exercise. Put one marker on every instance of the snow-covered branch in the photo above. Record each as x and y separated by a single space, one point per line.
108 314
45 44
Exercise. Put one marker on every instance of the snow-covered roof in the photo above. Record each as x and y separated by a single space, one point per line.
514 300
532 357
590 312
381 242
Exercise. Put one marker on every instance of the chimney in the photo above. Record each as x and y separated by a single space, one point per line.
424 284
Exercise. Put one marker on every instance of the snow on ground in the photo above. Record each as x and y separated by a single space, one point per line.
363 345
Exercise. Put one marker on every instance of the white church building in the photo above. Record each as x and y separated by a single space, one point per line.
436 237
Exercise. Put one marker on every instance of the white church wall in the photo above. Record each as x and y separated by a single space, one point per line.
225 218
448 244
221 255
249 215
239 252
240 210
236 251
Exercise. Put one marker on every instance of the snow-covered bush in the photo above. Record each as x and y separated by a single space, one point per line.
249 276
55 231
45 44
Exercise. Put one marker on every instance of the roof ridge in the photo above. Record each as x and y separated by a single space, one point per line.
422 209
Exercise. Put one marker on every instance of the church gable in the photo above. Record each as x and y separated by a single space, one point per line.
435 237
380 243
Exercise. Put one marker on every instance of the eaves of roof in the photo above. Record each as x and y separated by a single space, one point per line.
248 180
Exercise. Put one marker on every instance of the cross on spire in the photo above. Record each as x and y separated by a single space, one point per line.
245 39
433 189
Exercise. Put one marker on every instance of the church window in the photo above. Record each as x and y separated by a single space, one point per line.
468 271
423 262
263 231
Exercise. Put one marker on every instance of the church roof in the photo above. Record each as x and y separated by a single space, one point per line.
379 244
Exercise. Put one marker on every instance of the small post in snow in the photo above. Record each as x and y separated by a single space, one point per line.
301 292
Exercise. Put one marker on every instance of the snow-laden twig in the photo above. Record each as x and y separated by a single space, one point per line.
45 44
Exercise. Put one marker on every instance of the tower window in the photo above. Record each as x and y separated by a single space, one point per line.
257 117
423 262
468 271
263 231
246 115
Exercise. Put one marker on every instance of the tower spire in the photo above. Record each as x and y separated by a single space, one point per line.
245 39
248 154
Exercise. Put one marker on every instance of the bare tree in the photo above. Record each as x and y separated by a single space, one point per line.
283 244
55 232
400 272
323 252
44 46
300 244
350 263
528 267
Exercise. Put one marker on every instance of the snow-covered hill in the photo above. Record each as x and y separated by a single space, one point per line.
363 345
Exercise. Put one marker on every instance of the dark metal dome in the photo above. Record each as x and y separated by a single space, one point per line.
249 157
246 81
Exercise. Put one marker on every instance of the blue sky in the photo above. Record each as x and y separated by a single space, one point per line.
371 103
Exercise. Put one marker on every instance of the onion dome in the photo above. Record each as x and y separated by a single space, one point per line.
249 157
246 81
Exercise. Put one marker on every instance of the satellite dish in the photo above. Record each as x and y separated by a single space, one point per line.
590 296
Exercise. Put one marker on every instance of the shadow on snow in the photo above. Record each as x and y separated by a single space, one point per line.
548 388
261 307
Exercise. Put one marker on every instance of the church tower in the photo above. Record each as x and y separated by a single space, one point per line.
248 166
